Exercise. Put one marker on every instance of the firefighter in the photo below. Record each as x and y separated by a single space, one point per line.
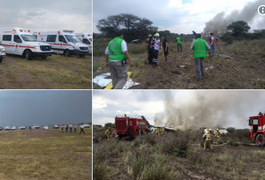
208 140
108 133
217 135
162 131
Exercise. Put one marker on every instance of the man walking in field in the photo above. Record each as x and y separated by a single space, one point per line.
61 127
165 46
108 133
200 48
208 140
116 56
82 129
217 135
70 127
179 46
212 42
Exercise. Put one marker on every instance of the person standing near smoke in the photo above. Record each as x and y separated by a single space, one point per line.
212 42
200 48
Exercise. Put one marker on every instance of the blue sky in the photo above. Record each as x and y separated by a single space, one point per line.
178 16
45 107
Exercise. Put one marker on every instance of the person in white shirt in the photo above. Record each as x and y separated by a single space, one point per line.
82 129
156 48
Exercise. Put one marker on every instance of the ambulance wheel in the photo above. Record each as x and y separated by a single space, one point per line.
81 55
67 53
260 140
43 57
1 59
28 54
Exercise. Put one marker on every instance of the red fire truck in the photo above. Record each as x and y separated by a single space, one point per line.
257 129
130 126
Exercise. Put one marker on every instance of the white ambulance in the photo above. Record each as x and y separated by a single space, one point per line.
86 38
2 53
20 41
64 42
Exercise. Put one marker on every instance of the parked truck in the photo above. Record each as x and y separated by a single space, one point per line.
257 129
130 126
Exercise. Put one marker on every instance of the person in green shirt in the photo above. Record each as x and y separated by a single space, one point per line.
116 56
179 46
200 48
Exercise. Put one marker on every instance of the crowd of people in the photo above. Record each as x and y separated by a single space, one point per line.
117 54
72 128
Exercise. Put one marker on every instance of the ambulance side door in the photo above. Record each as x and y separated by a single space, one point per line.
7 43
17 45
62 41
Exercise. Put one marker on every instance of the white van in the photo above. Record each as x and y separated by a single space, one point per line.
20 41
64 42
2 53
86 38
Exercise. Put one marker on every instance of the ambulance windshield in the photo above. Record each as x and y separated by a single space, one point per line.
73 39
28 38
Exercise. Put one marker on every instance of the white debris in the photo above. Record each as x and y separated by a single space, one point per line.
102 80
129 84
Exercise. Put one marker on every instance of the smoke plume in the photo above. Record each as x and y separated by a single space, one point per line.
221 20
210 109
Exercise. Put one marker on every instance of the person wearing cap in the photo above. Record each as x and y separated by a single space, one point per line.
200 48
165 46
208 140
116 56
156 48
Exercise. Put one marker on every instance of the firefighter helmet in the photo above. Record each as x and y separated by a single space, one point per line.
156 35
210 129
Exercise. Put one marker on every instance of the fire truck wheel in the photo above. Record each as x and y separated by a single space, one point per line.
137 133
28 54
81 55
67 53
1 59
260 140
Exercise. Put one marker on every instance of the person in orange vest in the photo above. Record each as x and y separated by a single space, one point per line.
208 140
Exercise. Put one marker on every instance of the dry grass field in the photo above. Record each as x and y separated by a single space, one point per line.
177 155
235 66
45 154
56 72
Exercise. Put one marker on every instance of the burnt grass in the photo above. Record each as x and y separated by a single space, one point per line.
177 155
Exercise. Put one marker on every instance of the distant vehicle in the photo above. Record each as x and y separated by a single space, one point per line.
86 125
19 41
13 128
45 127
63 42
86 38
55 127
35 127
1 129
21 128
2 53
7 128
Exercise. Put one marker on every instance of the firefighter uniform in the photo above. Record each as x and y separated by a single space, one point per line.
108 133
208 140
217 135
162 131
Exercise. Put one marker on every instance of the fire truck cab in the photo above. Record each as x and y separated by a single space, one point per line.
130 127
257 129
20 41
63 42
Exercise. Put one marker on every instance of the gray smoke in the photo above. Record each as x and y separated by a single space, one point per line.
221 20
210 109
